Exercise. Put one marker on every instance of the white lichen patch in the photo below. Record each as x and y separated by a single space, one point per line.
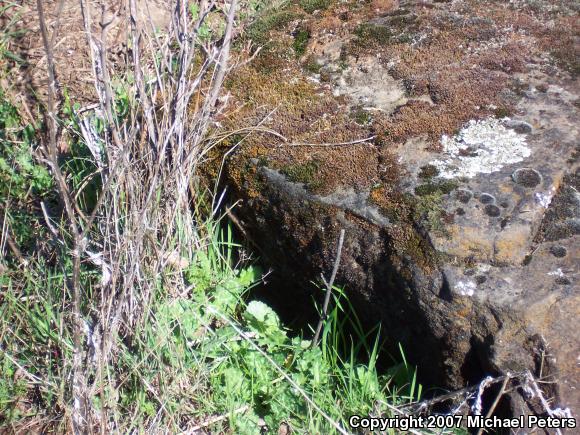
466 288
481 147
370 85
558 272
545 199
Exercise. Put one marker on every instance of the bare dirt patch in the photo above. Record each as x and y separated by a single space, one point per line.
27 67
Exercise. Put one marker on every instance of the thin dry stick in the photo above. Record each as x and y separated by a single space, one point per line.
51 122
330 144
79 382
329 285
34 379
215 420
427 404
57 24
224 56
398 411
496 401
5 234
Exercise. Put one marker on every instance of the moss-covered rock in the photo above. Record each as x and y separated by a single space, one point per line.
305 173
442 243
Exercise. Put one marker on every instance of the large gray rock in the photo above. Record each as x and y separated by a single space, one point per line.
469 255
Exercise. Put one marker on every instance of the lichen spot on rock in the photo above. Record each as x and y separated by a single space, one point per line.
466 288
480 147
486 198
558 251
492 210
527 177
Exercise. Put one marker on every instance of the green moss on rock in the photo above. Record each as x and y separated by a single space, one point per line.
301 37
312 65
502 112
373 33
430 212
361 116
439 187
305 173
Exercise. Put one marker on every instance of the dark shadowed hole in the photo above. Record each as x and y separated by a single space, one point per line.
286 292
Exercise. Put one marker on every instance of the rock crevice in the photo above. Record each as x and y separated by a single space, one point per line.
462 214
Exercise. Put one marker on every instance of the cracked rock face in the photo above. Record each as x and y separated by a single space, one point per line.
462 213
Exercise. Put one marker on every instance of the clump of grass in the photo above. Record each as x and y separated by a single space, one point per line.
124 224
207 352
259 31
311 6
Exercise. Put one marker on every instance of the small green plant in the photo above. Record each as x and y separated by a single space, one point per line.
205 31
259 31
301 38
330 374
20 174
373 33
311 6
12 390
24 182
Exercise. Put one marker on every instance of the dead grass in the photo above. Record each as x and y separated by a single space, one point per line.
143 148
71 54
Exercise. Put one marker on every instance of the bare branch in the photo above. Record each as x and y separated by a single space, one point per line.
329 285
79 381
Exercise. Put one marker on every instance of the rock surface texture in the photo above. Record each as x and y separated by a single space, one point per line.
444 137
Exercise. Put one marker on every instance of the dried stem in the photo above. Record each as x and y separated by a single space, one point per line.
146 160
329 285
496 401
78 379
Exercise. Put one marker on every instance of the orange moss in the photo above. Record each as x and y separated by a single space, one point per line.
298 110
459 58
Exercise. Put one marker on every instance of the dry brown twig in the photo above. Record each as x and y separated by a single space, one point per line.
146 162
78 246
214 420
498 397
329 284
